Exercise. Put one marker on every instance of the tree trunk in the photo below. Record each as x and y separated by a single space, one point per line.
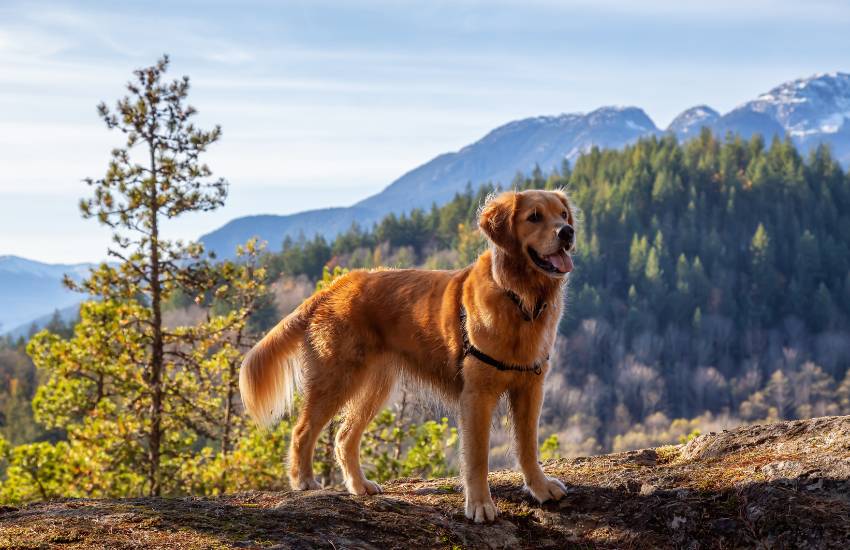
157 345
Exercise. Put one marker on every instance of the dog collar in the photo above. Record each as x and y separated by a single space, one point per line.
539 308
469 349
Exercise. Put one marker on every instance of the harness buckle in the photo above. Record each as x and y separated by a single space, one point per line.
470 349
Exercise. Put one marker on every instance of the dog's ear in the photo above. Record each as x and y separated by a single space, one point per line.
497 219
566 200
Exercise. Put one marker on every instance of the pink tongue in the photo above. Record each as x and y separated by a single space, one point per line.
562 261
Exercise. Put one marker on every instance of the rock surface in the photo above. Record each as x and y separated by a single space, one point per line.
784 485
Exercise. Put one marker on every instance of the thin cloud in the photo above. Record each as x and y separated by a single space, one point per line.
30 43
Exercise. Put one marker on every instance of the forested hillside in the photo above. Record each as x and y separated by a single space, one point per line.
711 289
712 283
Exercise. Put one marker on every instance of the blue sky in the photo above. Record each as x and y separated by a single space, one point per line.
325 102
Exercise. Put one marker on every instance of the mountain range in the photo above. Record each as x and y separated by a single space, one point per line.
810 110
30 291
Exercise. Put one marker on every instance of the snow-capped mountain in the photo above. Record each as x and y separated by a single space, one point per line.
810 110
819 105
516 147
690 122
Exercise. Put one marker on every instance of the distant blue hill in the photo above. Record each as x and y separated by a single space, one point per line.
68 314
325 221
811 111
30 290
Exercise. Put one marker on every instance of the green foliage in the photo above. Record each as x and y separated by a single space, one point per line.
689 437
470 244
393 444
394 448
303 257
550 448
18 381
36 471
156 175
255 462
329 276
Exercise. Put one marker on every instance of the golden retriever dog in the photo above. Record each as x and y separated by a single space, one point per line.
473 335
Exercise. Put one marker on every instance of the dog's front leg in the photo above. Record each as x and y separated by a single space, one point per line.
476 410
525 403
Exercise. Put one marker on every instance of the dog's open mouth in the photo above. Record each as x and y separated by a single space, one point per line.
560 262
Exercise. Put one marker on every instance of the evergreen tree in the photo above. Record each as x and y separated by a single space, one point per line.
157 175
762 275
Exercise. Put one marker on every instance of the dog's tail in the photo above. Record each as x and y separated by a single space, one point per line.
271 371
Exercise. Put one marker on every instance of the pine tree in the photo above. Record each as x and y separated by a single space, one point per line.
156 176
762 273
637 257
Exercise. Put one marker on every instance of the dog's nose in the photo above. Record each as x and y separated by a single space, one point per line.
566 234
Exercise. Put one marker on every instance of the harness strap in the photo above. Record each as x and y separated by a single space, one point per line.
469 349
539 307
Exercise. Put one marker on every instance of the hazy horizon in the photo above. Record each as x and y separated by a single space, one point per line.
325 103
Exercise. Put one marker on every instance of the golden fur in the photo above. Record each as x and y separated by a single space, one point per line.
345 346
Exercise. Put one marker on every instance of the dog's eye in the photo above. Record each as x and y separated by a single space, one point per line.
535 217
564 214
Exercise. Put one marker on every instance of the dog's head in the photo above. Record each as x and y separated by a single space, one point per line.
532 226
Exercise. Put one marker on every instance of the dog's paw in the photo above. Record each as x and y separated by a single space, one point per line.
372 488
548 488
480 511
363 487
306 485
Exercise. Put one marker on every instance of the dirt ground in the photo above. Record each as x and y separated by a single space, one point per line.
783 485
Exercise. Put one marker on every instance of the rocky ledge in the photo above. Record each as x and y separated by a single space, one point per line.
784 485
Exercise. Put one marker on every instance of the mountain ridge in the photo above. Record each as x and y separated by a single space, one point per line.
809 110
30 289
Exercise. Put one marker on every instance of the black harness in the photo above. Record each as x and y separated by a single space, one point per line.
539 307
469 349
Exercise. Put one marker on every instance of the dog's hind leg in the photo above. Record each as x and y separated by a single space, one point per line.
326 388
359 412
